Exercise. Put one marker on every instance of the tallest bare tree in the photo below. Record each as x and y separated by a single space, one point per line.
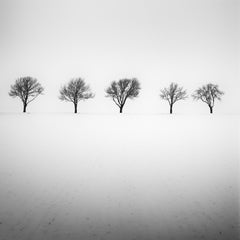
27 89
123 89
208 94
75 91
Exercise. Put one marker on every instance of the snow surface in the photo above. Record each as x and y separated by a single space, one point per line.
65 176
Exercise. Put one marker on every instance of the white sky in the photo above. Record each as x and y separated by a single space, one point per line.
191 42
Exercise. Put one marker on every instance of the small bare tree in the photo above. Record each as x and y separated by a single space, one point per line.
122 90
209 94
27 89
173 94
75 91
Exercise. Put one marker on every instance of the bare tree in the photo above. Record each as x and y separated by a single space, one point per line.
75 91
122 90
173 94
27 89
208 93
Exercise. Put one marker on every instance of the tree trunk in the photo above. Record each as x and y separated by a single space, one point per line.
75 108
24 107
121 109
171 109
211 109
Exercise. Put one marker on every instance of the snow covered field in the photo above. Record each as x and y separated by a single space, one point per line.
65 176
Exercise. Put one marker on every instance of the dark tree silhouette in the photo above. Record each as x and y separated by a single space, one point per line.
122 90
75 91
209 94
27 89
173 94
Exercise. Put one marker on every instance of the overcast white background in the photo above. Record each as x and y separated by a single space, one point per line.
190 42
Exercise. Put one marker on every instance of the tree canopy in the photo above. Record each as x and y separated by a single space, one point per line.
208 94
123 89
75 91
172 94
27 89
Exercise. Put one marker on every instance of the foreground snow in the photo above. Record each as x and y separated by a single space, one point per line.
118 177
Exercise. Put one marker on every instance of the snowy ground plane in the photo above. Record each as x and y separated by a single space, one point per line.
65 176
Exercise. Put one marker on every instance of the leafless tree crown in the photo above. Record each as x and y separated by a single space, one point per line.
173 93
123 89
27 89
75 91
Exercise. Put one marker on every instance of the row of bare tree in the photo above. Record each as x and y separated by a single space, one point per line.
28 88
